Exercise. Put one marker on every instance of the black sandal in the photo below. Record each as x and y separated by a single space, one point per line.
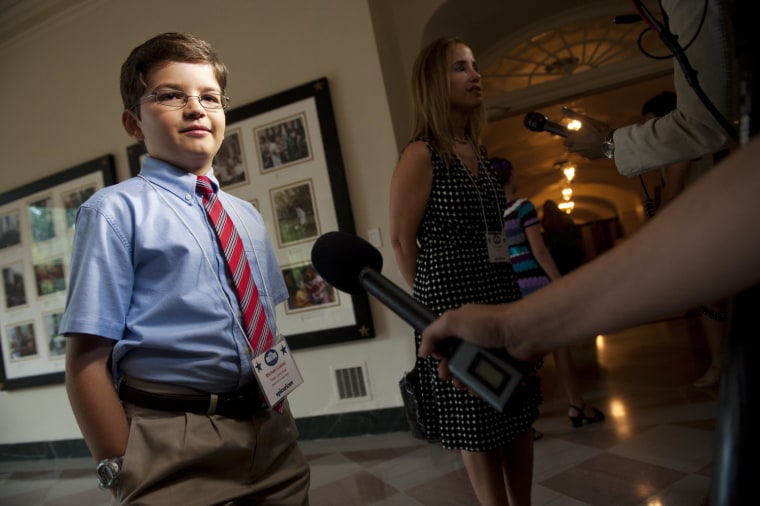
579 420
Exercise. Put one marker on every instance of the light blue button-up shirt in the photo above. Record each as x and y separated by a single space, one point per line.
147 271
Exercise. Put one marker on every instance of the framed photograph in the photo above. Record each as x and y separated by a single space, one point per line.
10 234
56 342
21 341
295 178
14 286
283 143
294 212
74 199
307 291
41 219
49 277
229 164
36 234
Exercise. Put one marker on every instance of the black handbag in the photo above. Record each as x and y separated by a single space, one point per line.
410 391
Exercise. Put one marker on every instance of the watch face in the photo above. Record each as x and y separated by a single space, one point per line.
608 149
105 474
108 472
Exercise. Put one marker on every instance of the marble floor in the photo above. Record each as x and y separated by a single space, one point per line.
654 449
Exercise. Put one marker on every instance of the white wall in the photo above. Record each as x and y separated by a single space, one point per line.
62 108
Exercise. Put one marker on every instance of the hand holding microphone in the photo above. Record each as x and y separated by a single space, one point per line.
351 264
589 140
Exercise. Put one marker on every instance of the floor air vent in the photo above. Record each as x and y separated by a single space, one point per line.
351 383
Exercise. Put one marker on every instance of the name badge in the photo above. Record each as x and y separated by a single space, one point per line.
498 252
276 373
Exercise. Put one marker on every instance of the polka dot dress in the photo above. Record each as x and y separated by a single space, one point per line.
453 269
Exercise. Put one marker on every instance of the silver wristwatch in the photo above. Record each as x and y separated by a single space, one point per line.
608 146
108 472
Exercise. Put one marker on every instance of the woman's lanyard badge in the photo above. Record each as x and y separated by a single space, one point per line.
498 252
496 242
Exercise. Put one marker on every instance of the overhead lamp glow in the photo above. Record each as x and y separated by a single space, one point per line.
569 173
567 206
567 194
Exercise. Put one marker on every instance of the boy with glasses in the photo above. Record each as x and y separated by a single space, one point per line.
172 295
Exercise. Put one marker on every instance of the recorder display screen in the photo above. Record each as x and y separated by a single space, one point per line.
486 371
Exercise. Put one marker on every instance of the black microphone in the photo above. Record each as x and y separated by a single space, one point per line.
539 123
350 263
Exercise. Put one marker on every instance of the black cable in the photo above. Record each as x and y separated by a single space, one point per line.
635 17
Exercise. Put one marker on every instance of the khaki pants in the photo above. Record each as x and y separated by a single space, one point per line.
190 459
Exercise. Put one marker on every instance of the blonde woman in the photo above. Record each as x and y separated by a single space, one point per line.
446 229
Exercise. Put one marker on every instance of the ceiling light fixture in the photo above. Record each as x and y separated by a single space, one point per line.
569 172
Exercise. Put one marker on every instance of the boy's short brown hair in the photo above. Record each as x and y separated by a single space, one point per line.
161 50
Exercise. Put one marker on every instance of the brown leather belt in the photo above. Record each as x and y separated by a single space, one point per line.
240 404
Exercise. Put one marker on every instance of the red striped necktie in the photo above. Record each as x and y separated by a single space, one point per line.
254 319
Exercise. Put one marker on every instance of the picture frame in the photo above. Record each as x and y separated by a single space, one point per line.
307 291
283 143
36 236
312 175
294 212
230 167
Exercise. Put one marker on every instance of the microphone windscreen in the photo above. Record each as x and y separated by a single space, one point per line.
339 258
535 121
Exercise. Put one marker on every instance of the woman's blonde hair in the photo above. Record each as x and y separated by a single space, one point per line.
431 96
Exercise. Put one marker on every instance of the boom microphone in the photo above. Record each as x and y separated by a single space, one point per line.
351 264
539 123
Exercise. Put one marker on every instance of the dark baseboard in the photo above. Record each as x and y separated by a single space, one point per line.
357 423
379 421
65 449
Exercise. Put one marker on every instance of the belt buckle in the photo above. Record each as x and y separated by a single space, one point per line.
213 403
239 404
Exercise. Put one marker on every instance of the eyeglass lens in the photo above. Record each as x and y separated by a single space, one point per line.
178 99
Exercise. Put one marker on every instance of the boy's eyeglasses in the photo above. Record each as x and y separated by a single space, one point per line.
178 99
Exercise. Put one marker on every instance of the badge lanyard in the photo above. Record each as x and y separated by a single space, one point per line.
496 242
